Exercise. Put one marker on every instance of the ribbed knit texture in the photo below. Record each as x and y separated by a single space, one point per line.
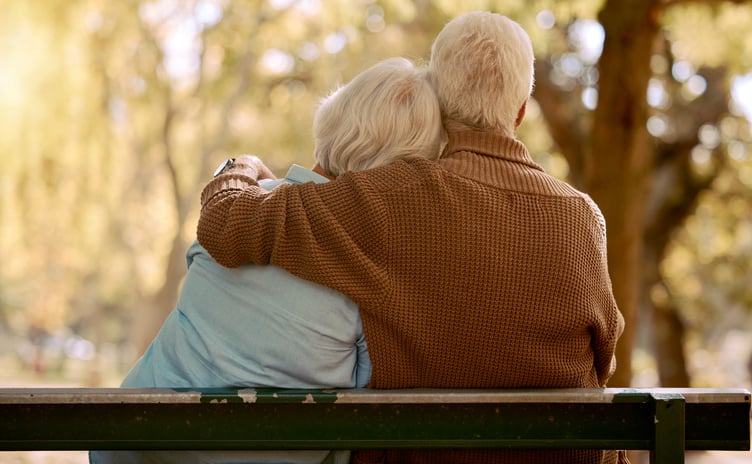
479 270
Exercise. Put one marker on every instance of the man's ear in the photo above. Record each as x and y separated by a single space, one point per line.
520 115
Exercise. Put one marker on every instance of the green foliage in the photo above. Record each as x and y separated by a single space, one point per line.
709 262
712 35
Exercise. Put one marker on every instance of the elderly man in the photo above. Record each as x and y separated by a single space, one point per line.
477 270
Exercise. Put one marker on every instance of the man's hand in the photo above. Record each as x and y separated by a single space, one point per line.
251 166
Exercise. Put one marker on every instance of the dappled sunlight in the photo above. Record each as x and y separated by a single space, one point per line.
741 91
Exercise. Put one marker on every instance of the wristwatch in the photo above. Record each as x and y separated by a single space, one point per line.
225 166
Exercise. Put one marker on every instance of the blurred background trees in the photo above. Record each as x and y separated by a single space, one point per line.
114 113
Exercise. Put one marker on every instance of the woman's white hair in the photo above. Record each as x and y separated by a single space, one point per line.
388 112
482 68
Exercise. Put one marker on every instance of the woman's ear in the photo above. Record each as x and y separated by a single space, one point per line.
520 115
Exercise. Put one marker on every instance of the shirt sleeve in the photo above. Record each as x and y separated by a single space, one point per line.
335 234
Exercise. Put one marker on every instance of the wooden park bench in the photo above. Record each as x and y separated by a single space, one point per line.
665 421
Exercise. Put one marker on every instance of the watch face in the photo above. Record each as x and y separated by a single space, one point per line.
226 164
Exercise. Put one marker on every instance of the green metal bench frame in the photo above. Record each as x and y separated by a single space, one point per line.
665 421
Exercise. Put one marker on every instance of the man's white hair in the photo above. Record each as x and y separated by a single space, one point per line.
482 68
388 112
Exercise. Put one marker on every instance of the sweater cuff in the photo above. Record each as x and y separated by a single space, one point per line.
225 182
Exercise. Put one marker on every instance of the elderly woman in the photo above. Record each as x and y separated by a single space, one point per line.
259 326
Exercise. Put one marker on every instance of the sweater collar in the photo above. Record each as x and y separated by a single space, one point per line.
489 144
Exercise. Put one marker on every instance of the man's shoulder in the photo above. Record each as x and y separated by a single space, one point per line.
552 185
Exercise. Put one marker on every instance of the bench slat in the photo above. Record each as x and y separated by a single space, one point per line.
663 420
364 395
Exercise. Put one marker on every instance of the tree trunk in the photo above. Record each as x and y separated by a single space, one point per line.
665 332
159 306
618 160
669 333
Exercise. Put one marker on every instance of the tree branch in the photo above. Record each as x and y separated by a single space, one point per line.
676 188
559 109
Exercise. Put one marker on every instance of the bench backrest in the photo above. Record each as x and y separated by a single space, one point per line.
666 421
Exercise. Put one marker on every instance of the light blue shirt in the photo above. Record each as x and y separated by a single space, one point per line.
252 326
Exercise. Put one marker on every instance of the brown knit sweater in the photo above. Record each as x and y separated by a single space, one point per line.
479 270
